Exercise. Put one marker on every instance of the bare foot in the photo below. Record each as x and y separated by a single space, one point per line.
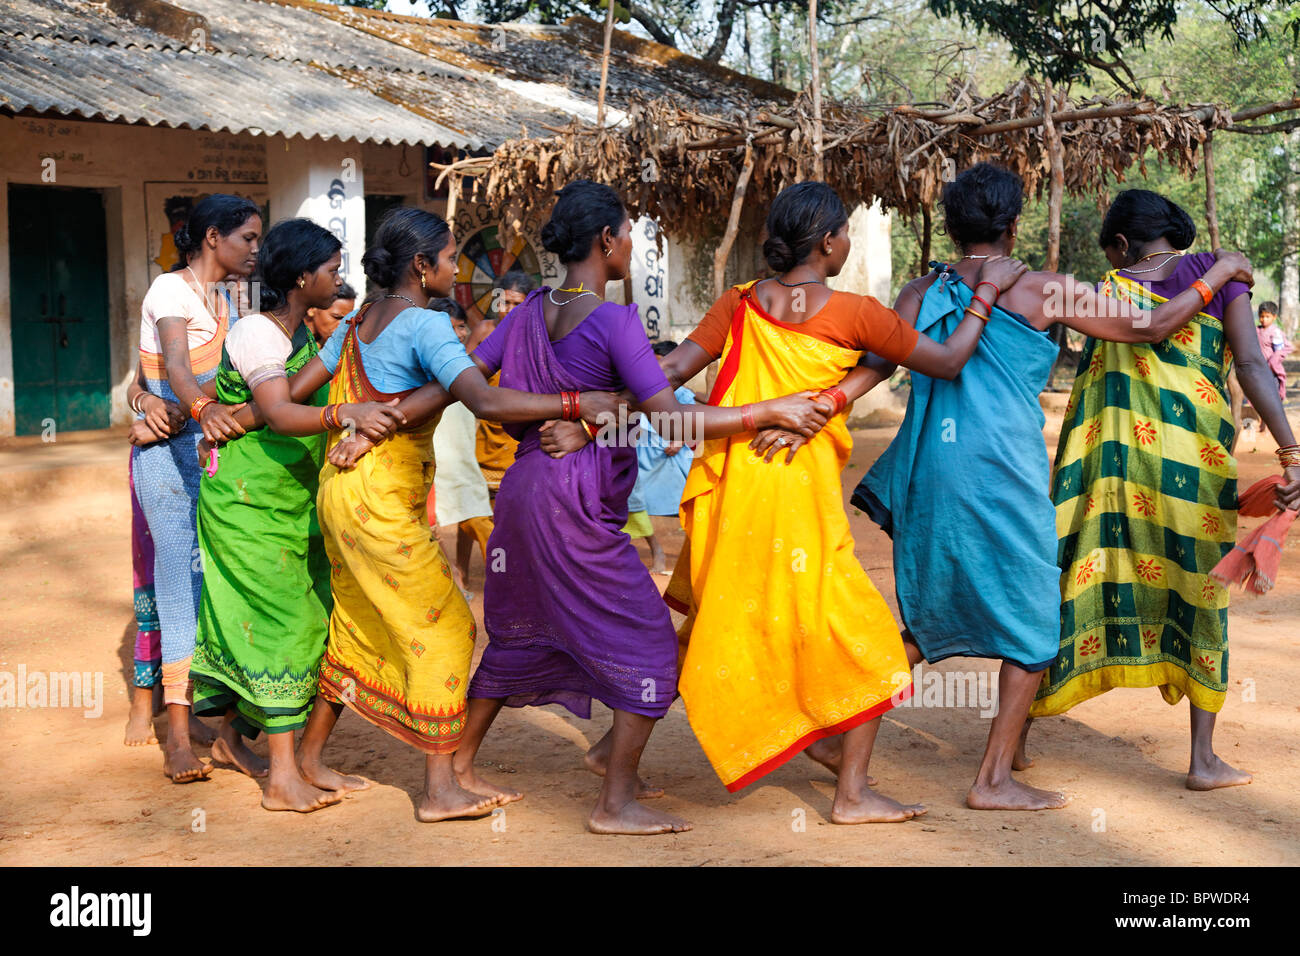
297 794
1212 776
243 759
471 781
181 764
318 775
201 733
1021 760
597 758
1013 795
871 807
632 819
828 752
452 803
139 723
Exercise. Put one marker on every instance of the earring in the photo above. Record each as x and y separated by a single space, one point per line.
608 250
423 287
302 283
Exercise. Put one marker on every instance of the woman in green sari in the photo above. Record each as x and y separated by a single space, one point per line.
265 607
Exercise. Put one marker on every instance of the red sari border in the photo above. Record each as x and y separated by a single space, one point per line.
763 769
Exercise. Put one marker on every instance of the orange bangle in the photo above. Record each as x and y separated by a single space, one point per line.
591 432
1201 286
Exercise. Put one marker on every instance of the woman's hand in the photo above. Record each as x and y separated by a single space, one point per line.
164 417
561 438
770 442
204 451
1002 271
346 453
142 433
799 413
1242 271
218 422
375 420
595 404
1287 496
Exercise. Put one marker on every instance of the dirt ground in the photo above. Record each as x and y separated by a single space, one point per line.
71 793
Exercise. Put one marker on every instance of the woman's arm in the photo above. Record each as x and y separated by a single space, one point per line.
1261 388
685 362
1082 308
945 359
510 405
165 418
216 420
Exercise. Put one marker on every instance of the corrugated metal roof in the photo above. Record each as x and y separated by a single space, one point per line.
180 88
297 67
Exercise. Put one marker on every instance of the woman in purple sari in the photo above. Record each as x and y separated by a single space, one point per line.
571 612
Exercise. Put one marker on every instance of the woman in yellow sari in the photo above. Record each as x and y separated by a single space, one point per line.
787 641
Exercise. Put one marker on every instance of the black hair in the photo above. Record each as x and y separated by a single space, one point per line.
404 233
516 280
582 210
981 204
222 210
1270 307
1142 217
664 348
801 215
290 248
346 292
450 306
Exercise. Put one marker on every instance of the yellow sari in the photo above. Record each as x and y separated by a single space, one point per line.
787 640
401 635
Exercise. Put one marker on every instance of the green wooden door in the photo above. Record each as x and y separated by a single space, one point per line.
58 269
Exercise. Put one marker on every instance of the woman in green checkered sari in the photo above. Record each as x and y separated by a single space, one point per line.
1145 487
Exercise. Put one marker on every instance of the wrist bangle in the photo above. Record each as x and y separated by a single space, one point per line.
591 432
975 312
997 291
747 418
1201 286
1289 456
987 308
200 403
839 400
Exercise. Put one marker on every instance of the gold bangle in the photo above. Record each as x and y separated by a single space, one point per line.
973 311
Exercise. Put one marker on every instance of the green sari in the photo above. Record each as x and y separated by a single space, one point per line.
264 613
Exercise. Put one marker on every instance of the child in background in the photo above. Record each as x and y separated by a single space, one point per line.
323 322
662 467
460 493
1273 344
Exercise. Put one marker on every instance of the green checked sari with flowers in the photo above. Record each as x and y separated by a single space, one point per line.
264 613
1145 489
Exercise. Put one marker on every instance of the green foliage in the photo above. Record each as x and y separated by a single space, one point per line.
1066 42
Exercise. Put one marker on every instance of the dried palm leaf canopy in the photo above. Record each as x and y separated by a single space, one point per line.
681 168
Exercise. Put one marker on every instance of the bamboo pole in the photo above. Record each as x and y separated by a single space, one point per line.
1211 199
819 168
604 64
733 223
1056 188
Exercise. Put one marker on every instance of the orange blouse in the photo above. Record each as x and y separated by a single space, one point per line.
847 320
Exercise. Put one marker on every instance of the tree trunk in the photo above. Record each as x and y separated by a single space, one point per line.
1289 297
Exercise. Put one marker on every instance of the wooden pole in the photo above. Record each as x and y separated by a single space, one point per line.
925 241
733 223
604 64
1056 188
819 169
1211 199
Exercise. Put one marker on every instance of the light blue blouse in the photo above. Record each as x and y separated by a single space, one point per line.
418 345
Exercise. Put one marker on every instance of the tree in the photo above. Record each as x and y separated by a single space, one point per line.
1063 40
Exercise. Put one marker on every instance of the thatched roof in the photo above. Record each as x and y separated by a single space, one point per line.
681 167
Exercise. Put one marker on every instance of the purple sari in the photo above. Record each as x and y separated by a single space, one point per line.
571 612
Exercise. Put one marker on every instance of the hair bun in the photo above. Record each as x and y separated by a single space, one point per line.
379 267
1181 230
556 237
780 257
184 242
